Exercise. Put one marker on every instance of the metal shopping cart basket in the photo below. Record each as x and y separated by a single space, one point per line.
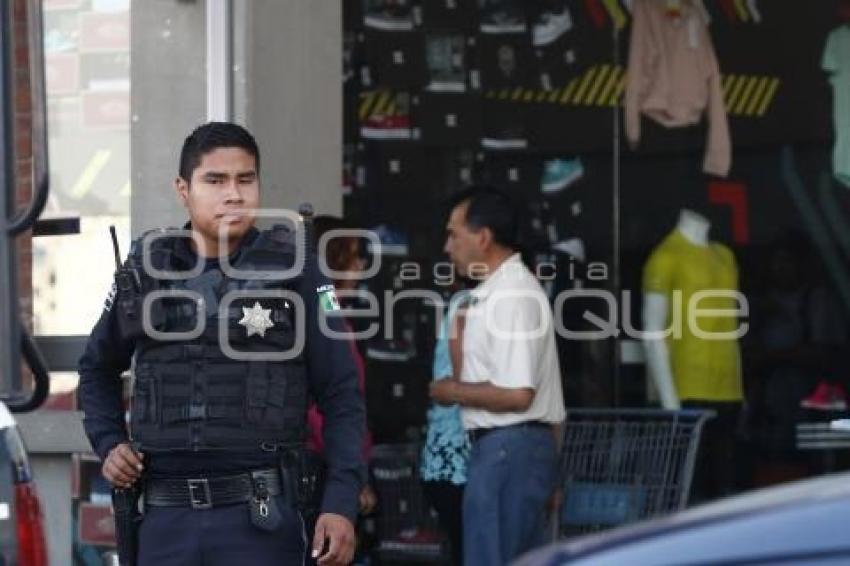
622 465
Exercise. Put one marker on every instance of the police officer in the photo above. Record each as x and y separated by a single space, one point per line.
218 413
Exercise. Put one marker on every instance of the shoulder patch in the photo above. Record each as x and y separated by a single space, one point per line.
110 298
327 298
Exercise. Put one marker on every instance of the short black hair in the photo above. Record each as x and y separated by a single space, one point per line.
211 136
490 207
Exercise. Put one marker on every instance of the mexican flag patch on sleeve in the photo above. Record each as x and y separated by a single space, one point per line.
327 298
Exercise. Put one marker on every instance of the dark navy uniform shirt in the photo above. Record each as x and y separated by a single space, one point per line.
333 381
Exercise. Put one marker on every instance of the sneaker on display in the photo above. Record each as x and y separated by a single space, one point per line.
391 121
558 174
415 540
501 16
574 247
510 137
390 351
393 242
388 15
550 27
826 397
386 127
445 56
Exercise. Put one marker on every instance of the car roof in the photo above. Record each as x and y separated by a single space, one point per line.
793 497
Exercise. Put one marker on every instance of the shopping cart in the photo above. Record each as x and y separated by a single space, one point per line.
621 465
407 526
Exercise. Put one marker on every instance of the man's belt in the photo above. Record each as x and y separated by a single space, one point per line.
477 434
204 493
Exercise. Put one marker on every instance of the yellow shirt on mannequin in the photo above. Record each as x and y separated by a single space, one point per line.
703 369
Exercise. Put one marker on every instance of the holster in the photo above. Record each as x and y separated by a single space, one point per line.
125 505
303 473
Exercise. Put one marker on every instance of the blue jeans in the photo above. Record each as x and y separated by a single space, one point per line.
512 473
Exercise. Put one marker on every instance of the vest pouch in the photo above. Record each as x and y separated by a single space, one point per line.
288 395
269 404
266 395
145 404
256 392
175 386
278 384
177 314
225 394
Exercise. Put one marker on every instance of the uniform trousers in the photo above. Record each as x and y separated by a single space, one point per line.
219 536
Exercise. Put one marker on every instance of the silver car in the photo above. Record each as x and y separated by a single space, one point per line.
804 522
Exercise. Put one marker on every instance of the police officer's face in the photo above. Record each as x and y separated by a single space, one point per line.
463 245
225 182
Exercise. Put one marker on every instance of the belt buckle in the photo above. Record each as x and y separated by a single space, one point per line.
202 485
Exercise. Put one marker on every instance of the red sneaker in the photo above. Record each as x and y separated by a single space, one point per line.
826 397
383 127
421 542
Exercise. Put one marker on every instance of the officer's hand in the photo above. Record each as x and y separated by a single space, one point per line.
339 533
368 500
123 465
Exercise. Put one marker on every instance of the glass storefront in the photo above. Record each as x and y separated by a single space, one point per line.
87 51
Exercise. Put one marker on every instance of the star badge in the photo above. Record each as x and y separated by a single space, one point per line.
256 320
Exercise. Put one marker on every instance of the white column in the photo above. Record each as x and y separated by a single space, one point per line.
219 60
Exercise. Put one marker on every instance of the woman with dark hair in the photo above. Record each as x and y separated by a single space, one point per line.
445 452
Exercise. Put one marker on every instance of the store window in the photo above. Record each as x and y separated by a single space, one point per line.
87 52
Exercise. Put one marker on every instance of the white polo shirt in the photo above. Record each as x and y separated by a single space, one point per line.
509 340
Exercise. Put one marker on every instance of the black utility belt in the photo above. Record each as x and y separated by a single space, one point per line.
205 493
477 434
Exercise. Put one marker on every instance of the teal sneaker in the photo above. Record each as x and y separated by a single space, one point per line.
558 174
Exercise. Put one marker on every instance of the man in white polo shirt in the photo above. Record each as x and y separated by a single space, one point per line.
510 382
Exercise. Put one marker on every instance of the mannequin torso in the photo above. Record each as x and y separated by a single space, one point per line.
687 263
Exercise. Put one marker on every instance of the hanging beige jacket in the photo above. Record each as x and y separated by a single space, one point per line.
673 76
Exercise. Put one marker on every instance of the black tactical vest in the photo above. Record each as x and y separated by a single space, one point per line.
189 394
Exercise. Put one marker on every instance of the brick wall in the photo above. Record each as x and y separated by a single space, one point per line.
23 158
